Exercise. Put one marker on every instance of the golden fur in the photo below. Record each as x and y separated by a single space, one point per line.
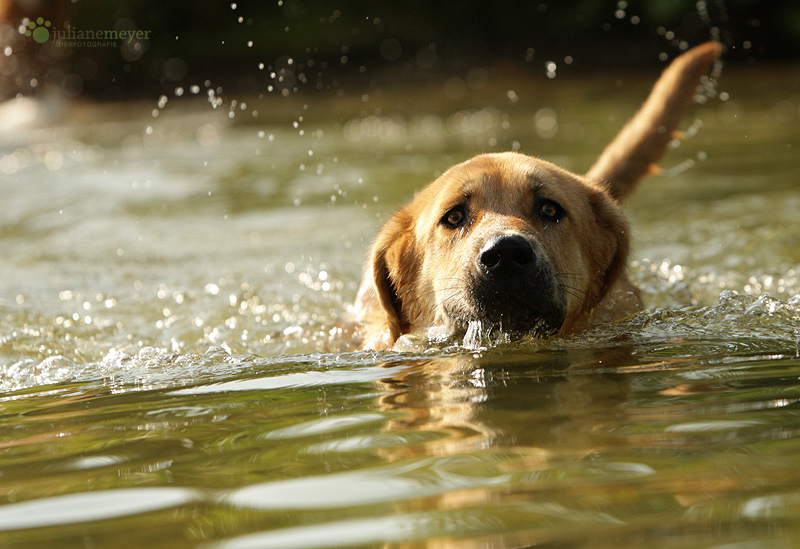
514 243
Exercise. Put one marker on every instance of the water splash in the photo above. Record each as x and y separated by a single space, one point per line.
482 335
31 373
734 318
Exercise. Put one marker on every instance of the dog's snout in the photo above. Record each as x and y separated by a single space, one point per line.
506 255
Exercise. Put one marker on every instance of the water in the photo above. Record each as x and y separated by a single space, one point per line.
175 371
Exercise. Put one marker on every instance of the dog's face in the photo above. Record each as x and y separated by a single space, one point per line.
503 239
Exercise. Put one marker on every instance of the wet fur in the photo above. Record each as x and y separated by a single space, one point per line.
424 273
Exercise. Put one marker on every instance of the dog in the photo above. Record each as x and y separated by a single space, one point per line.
512 243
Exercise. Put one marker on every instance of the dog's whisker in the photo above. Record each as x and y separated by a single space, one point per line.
574 292
435 291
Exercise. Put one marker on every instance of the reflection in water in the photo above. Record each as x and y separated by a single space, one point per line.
572 428
517 417
498 402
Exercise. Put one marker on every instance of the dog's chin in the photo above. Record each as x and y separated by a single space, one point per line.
473 334
535 327
482 333
498 323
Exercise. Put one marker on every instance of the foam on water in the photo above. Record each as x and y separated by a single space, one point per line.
734 319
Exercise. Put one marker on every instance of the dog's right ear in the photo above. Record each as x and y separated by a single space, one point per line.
390 273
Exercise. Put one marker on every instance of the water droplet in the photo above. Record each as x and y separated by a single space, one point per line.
529 54
550 67
546 122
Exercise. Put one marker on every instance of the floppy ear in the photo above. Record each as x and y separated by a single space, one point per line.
607 247
390 273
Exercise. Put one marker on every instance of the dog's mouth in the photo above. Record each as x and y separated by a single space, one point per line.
510 313
509 290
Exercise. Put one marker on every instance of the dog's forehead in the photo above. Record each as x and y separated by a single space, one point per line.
509 175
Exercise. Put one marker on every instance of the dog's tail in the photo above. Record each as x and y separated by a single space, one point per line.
643 140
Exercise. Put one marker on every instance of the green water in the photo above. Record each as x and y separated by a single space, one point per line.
173 277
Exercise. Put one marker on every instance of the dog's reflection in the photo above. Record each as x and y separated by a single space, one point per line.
548 403
516 416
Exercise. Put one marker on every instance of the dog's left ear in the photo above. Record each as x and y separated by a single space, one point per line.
607 248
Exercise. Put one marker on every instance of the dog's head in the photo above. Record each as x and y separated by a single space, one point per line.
515 242
503 239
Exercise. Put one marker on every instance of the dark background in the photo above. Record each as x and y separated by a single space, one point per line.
317 42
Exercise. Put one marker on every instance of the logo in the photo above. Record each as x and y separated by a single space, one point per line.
38 30
73 37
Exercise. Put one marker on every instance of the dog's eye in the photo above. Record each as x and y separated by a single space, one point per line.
454 218
550 210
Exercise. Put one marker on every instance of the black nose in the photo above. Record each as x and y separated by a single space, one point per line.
506 255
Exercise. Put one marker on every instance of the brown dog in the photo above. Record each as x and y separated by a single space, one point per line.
512 243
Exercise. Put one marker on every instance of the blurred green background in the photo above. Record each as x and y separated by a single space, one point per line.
238 44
